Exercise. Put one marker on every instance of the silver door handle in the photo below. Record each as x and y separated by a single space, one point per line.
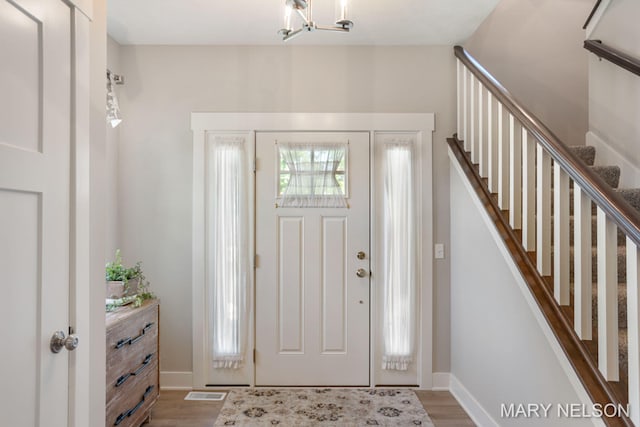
361 272
59 340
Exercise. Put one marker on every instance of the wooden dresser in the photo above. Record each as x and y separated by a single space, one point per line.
132 364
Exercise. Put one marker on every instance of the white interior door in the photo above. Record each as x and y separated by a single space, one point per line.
35 122
312 309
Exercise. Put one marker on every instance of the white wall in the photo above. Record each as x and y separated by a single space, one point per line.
534 48
165 84
614 93
499 352
111 162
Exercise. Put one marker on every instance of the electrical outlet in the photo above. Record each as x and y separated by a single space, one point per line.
439 251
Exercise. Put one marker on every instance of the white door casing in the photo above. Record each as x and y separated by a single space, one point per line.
421 125
312 310
43 128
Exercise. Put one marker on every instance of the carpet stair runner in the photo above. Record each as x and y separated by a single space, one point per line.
611 175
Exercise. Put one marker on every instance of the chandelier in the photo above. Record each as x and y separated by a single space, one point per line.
303 9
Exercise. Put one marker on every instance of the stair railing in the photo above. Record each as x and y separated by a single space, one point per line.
527 165
613 55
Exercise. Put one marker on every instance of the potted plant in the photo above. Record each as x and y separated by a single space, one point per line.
126 285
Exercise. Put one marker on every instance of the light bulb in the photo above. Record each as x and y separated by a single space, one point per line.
287 17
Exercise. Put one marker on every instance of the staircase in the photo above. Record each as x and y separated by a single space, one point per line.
571 231
611 175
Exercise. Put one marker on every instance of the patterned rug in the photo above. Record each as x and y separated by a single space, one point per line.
322 407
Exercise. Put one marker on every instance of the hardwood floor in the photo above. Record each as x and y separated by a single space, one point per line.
173 411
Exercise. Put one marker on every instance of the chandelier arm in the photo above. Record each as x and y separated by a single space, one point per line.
303 16
338 29
292 34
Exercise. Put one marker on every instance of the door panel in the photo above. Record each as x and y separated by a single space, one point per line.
21 278
291 284
334 285
312 311
35 122
23 64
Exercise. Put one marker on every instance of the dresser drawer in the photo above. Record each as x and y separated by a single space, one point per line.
122 384
129 406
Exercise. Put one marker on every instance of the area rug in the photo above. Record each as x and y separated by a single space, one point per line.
322 407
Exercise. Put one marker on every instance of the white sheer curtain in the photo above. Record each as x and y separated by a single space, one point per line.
399 255
228 250
312 171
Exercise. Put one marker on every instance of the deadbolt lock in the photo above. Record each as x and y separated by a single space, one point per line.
361 255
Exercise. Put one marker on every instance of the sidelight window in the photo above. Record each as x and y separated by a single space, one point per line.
228 250
399 254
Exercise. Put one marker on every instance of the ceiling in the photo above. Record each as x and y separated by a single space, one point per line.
256 22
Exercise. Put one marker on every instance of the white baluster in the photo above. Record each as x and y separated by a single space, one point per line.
633 325
465 113
528 192
473 111
582 279
607 297
561 289
503 158
515 173
459 95
492 145
481 136
543 212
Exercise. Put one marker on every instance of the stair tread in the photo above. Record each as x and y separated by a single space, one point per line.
586 153
610 174
631 195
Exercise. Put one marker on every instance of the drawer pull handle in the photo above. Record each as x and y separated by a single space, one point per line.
144 364
133 410
121 380
132 341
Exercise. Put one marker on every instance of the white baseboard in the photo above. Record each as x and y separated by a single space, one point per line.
176 380
607 155
441 381
469 403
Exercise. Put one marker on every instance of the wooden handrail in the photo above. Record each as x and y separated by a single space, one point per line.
616 207
613 55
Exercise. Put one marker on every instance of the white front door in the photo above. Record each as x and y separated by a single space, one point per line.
312 308
35 123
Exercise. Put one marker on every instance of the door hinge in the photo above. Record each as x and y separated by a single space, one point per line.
255 164
254 355
256 260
